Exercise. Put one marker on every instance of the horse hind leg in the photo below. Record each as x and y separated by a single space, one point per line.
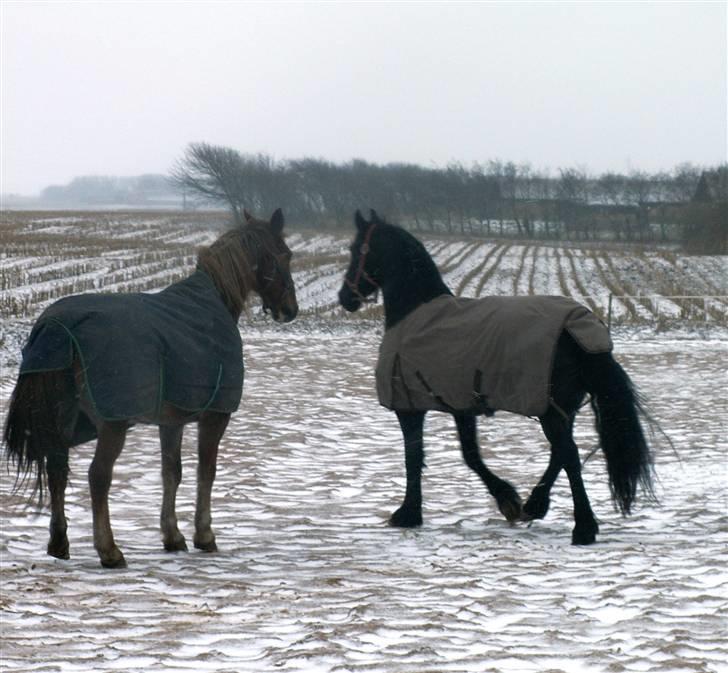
109 446
558 430
171 441
211 428
42 404
68 415
57 473
509 502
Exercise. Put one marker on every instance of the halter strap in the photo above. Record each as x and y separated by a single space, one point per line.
360 272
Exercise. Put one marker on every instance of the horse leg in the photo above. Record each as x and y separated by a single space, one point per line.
558 430
57 471
538 502
509 503
211 427
110 443
409 515
170 437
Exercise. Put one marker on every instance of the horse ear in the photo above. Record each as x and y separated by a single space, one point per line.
247 215
277 221
373 216
360 222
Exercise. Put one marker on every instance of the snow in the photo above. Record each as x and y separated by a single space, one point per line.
309 577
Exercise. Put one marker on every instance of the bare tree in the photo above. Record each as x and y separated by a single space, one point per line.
456 198
213 174
572 194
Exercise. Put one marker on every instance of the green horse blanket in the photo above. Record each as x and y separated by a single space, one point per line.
138 350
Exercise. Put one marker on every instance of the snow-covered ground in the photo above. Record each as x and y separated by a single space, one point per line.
310 578
44 258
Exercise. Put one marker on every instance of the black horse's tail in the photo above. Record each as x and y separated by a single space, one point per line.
618 408
32 436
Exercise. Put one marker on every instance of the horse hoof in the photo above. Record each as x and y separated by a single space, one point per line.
511 509
175 545
59 550
535 509
114 560
584 536
405 518
206 546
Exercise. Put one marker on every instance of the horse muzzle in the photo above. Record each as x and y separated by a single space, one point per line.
348 300
282 314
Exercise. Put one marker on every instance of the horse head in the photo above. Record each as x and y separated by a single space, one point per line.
272 265
360 282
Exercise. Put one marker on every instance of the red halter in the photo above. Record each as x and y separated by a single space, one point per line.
361 273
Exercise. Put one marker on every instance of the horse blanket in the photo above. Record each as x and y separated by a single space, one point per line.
180 346
480 355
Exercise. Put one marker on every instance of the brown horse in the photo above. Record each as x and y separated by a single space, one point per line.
96 364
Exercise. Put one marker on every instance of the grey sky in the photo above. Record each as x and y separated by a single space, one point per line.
120 88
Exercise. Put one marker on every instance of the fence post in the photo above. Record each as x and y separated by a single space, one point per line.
609 313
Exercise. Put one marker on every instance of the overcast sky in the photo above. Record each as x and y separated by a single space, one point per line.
120 88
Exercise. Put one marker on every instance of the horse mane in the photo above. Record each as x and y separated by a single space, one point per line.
415 257
232 261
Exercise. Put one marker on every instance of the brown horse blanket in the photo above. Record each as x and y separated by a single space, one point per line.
138 350
479 355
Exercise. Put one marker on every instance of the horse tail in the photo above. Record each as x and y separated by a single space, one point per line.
618 408
31 435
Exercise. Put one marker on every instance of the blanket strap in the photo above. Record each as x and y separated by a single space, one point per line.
214 392
436 397
481 399
552 402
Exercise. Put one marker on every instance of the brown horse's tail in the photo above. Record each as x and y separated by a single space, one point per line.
32 437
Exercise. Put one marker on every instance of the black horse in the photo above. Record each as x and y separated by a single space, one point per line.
386 257
95 364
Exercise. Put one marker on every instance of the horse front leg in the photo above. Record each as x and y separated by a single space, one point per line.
211 428
538 502
409 515
509 503
111 436
170 438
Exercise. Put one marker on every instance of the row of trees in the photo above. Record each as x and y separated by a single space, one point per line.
495 198
90 190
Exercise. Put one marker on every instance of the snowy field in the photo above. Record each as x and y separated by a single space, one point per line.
309 577
45 256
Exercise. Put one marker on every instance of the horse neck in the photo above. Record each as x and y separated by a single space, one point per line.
409 285
231 271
